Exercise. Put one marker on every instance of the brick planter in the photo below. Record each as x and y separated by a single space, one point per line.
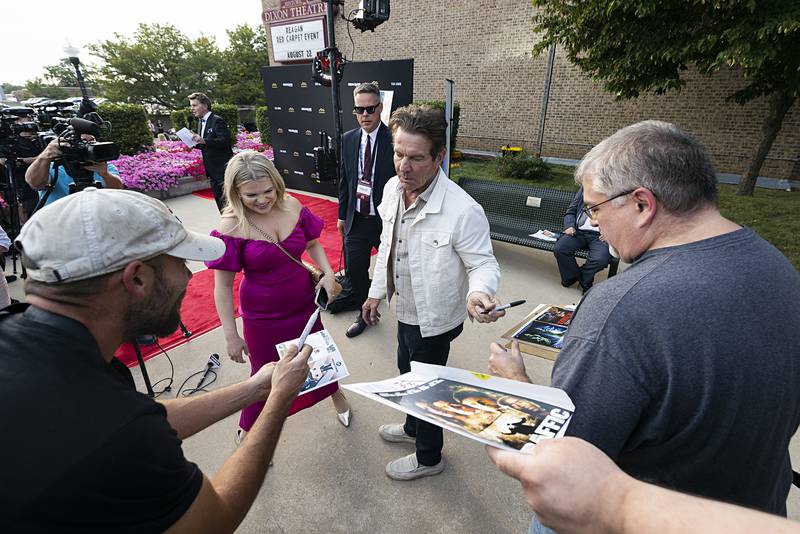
186 185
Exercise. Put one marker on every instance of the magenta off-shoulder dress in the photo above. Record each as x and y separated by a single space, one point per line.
276 298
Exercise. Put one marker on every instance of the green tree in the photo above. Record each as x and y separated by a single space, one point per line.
9 88
158 66
637 46
63 74
239 78
39 87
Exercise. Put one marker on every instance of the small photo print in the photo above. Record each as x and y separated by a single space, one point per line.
555 315
539 333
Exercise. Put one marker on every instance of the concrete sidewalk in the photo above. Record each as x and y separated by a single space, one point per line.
330 479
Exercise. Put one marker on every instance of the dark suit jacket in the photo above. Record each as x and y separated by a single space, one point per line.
348 171
217 150
574 211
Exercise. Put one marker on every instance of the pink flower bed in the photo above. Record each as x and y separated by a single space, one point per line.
161 168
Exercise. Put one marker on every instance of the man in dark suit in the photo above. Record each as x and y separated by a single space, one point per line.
580 234
367 164
213 139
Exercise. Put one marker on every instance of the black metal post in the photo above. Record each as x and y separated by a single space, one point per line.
551 55
143 369
12 198
337 106
87 106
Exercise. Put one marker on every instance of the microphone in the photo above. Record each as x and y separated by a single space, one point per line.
83 126
213 363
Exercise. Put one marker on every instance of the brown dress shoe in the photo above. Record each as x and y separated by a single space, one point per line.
356 328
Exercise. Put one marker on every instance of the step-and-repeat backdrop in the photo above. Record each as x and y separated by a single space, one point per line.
300 108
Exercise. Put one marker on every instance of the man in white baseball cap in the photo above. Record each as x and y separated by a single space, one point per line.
89 452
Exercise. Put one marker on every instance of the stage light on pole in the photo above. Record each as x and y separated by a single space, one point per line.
371 14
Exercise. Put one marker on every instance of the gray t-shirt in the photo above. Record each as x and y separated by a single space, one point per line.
684 369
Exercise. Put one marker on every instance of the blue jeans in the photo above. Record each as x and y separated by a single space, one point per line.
538 528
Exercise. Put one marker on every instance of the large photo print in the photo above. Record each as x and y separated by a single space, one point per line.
504 413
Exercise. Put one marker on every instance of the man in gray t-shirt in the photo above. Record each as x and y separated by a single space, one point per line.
683 368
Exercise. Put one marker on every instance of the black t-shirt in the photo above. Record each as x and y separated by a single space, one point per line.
83 450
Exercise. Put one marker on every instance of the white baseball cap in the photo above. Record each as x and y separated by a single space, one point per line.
99 231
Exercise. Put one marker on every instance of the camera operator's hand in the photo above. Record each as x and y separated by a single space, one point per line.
111 180
38 174
51 151
99 168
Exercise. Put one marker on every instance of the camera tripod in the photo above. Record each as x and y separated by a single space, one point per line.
138 350
12 199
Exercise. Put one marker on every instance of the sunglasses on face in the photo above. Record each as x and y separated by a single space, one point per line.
358 110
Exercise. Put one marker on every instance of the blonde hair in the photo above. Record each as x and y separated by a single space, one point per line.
249 166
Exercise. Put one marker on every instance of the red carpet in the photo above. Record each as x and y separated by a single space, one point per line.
197 312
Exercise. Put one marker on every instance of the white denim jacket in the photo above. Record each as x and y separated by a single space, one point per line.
449 254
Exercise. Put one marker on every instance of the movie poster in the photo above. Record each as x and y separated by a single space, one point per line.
505 413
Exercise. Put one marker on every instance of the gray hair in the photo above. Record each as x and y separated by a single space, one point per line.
426 121
202 98
655 155
368 88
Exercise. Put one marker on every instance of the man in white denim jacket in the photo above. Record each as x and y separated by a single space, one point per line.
435 259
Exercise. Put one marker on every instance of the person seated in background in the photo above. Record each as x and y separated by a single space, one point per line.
580 234
42 170
90 453
573 487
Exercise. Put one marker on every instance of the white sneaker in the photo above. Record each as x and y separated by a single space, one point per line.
394 433
407 468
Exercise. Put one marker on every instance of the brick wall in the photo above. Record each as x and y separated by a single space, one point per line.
485 47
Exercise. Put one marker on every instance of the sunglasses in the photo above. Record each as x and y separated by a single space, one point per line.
358 110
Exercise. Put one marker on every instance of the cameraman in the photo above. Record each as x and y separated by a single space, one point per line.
26 148
40 172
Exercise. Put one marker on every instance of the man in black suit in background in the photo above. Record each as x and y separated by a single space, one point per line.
367 164
579 233
213 139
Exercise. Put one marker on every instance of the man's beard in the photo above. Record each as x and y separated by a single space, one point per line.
150 316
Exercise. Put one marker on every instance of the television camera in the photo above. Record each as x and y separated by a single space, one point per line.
77 151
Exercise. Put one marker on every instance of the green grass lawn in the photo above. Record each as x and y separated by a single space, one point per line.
773 214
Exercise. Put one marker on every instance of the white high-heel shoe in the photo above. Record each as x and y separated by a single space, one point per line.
344 418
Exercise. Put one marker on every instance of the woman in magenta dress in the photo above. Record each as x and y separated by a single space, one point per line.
276 296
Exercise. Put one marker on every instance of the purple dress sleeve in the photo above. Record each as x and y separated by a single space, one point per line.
310 224
232 259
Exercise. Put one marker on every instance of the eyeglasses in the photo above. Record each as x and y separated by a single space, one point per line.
588 210
358 110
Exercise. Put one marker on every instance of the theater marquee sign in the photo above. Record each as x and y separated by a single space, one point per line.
297 30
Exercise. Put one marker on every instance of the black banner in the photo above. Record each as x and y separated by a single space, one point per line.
300 108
